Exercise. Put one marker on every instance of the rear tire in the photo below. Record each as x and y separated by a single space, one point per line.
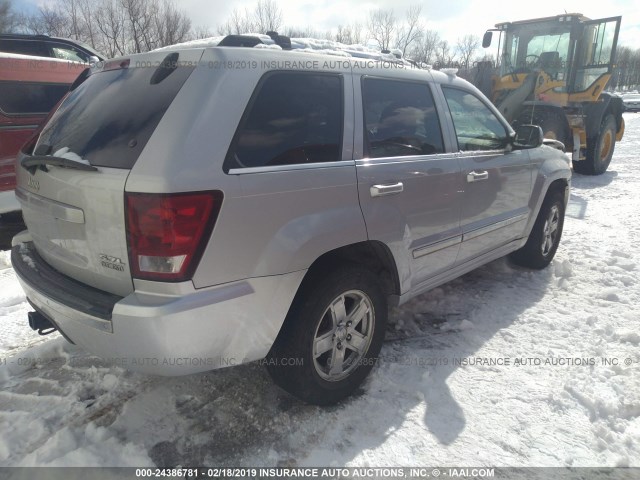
331 337
544 238
600 150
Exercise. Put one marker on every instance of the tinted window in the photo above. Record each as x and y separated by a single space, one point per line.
400 119
18 98
477 128
293 118
110 117
24 47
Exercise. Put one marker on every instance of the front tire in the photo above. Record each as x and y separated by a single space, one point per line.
545 235
600 150
331 337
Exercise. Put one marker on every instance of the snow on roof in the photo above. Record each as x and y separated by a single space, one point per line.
302 45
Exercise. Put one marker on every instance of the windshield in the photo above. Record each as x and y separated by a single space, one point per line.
542 46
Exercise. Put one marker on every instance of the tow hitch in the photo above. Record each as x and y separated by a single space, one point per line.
39 322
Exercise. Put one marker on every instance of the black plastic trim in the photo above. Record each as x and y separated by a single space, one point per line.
40 276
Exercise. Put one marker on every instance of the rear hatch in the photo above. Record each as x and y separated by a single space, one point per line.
71 184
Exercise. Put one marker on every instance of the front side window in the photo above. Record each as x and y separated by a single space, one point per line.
293 118
400 119
477 127
68 53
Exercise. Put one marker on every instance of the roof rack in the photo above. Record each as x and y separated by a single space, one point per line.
311 45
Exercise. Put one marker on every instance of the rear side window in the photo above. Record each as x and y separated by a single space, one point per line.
24 47
477 127
293 118
20 98
400 119
110 117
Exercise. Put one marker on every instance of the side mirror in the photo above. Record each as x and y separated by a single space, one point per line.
528 136
486 39
93 60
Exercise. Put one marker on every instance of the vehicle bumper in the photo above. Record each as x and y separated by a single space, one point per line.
169 334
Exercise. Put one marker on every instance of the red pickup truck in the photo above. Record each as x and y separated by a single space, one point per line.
29 88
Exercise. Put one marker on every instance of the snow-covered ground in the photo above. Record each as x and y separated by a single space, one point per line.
570 395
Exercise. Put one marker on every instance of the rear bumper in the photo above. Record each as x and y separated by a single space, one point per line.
164 334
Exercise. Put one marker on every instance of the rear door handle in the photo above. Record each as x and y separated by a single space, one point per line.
389 189
477 176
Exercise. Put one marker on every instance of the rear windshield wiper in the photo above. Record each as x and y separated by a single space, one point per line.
32 163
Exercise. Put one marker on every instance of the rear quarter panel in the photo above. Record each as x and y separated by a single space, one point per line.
270 223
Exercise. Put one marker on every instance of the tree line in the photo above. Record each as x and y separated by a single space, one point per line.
627 75
121 27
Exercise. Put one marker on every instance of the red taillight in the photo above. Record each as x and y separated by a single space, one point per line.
166 234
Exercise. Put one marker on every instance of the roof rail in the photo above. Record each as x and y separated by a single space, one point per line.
240 41
282 40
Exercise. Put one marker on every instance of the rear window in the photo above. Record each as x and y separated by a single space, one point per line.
110 117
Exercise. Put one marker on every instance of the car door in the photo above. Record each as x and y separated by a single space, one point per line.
496 179
408 181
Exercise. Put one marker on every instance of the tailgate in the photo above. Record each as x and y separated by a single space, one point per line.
73 195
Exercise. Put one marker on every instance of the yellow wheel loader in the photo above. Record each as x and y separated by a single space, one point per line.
552 72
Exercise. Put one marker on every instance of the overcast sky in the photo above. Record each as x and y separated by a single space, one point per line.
451 18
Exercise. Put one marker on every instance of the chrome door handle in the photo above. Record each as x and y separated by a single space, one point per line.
390 189
477 176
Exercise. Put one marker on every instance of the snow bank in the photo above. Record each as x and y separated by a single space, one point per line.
502 367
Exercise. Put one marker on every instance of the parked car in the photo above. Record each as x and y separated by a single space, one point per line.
51 47
29 88
631 102
199 208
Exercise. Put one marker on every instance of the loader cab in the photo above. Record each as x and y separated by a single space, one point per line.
574 51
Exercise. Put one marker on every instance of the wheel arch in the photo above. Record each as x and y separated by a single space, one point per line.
371 254
596 111
553 181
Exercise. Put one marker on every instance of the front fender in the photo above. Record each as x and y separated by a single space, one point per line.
551 166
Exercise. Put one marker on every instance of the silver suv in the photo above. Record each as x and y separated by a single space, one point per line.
200 208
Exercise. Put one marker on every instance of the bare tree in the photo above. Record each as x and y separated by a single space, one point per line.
110 21
265 17
201 31
268 16
71 11
411 31
466 47
139 19
382 27
52 22
425 49
171 25
307 32
239 22
7 18
87 11
444 56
